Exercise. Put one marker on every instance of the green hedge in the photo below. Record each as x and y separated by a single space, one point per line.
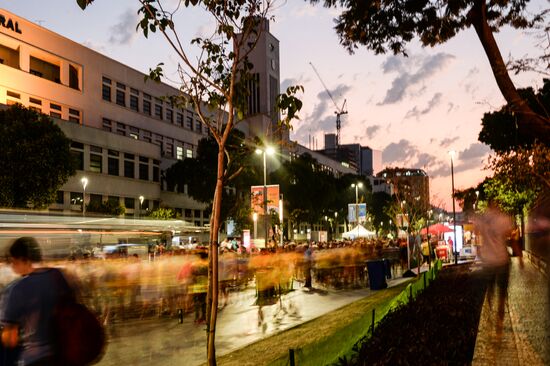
340 343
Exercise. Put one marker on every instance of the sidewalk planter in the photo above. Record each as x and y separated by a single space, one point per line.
377 274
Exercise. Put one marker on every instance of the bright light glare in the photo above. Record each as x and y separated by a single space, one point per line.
452 153
258 151
360 185
84 182
255 216
269 150
141 199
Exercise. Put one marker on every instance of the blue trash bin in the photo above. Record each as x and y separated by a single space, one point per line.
387 268
377 274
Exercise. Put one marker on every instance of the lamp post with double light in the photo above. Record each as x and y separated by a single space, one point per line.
268 150
84 182
452 153
357 186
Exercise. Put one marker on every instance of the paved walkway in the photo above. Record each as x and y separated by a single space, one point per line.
514 327
165 342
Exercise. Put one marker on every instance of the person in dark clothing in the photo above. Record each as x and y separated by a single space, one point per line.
29 304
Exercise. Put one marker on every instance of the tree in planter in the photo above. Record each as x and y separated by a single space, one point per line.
162 213
390 25
106 207
35 158
215 84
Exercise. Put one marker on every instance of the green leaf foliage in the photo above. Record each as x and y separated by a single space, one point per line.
389 25
162 213
500 128
106 207
35 158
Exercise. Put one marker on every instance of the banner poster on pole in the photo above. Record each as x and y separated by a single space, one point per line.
352 217
257 199
246 239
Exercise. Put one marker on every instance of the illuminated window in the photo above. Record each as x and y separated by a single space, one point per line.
96 162
188 153
179 152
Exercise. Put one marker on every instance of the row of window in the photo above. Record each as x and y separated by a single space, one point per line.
75 198
56 110
182 150
39 67
117 163
142 102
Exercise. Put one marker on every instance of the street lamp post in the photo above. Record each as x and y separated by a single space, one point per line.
141 199
281 219
267 151
357 186
335 225
84 182
255 219
452 153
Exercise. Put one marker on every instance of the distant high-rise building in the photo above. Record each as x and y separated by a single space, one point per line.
409 184
366 160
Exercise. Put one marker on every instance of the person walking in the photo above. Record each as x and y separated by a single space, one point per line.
27 314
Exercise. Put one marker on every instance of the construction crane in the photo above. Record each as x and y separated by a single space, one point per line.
338 112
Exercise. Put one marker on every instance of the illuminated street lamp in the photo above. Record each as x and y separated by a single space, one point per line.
452 154
267 151
336 224
141 199
357 186
84 182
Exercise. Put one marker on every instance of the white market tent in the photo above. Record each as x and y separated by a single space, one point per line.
358 232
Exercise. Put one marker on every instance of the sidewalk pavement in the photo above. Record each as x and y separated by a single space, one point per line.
519 332
164 342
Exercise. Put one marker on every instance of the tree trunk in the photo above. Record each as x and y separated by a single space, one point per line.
530 123
212 309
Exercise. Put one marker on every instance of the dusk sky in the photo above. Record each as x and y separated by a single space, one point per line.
414 109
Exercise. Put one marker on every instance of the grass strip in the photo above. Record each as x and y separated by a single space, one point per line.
318 341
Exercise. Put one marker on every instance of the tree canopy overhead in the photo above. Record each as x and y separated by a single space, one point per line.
389 25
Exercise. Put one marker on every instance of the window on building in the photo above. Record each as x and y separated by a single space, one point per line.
113 166
158 111
129 202
120 97
15 95
96 199
144 171
113 200
198 127
96 162
74 115
197 213
189 122
107 124
73 77
146 104
56 107
121 129
9 56
156 174
170 115
134 102
129 169
179 152
134 132
106 89
60 198
169 150
35 101
179 119
55 115
77 152
76 198
156 204
188 153
44 69
188 212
